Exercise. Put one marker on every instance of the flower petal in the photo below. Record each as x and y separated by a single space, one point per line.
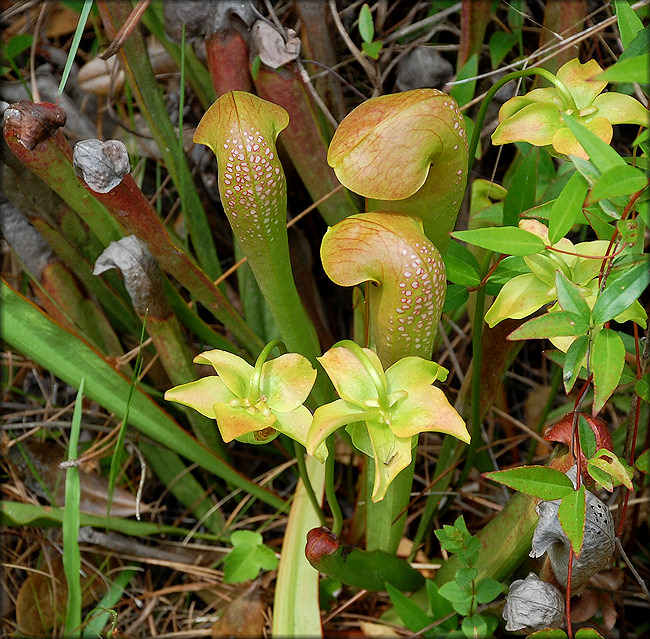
545 96
233 370
392 455
535 123
565 142
295 424
329 418
201 394
412 371
235 421
518 298
427 409
619 108
349 376
287 381
576 78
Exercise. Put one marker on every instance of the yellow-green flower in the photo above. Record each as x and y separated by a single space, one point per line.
253 404
537 116
386 409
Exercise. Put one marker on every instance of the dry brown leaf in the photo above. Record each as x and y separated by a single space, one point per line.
244 617
41 601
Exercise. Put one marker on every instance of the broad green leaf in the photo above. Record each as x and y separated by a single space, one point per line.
566 210
620 293
570 298
629 24
606 363
17 44
636 69
366 24
556 324
477 626
619 180
465 576
372 49
611 464
412 616
488 590
440 606
461 598
588 633
600 153
587 437
464 92
573 359
456 296
459 272
643 461
248 556
508 240
538 481
521 194
31 332
548 633
642 387
571 514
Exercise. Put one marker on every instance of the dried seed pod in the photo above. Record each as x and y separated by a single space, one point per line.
101 165
33 123
533 603
597 546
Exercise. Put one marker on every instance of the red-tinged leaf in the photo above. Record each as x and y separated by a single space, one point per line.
510 240
607 360
609 463
538 481
571 514
548 633
567 208
557 324
588 633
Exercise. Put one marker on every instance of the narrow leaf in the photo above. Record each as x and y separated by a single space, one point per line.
570 298
573 359
412 616
619 180
556 324
510 240
538 481
587 437
521 194
566 209
620 293
636 69
642 387
606 363
600 153
629 24
366 24
571 514
609 462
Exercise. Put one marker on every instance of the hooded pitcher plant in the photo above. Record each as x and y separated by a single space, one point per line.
537 116
384 411
407 153
253 404
241 129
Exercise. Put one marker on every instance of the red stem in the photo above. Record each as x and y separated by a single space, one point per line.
569 628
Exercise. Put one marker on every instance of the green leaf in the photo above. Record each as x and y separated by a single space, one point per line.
556 324
619 180
465 576
509 240
17 45
570 298
464 92
440 607
548 633
629 24
248 556
488 590
573 359
500 44
642 387
571 514
538 481
521 194
606 363
587 437
461 598
643 461
636 69
566 209
366 24
456 296
459 272
588 633
620 293
475 626
372 49
412 616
